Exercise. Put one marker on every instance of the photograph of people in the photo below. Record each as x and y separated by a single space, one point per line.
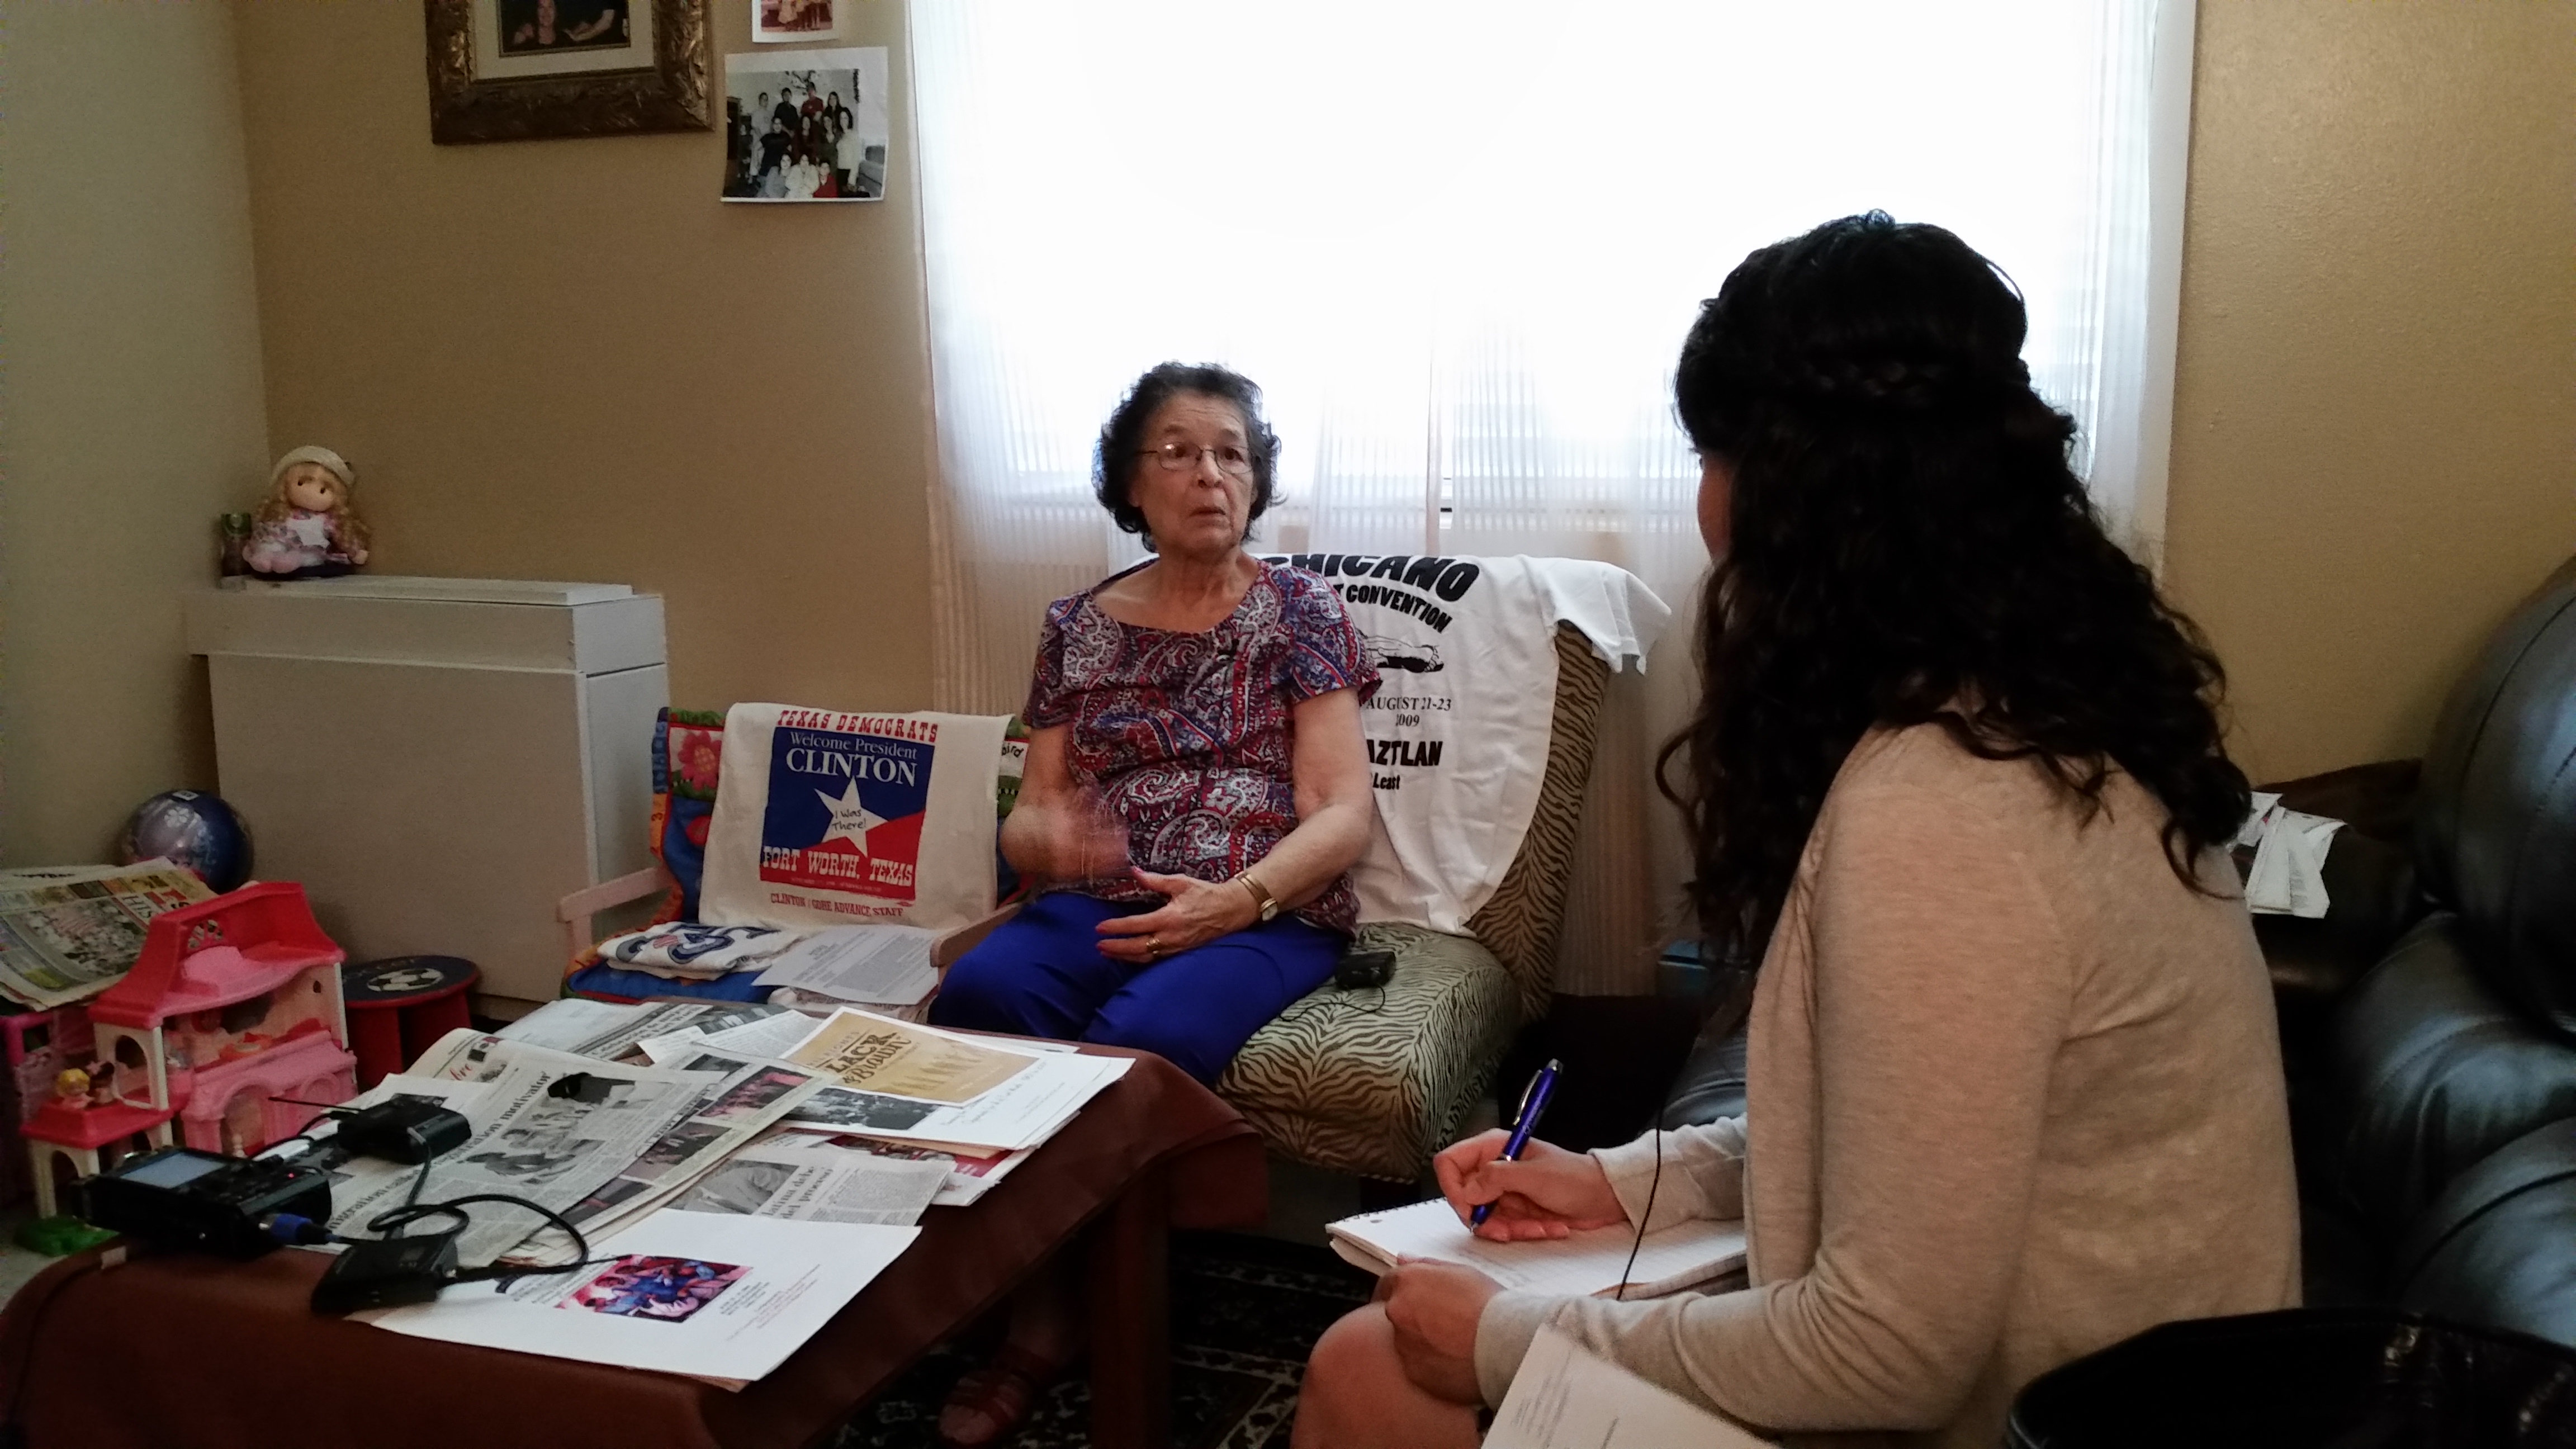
1956 782
841 1107
755 1093
815 133
539 27
794 19
1195 793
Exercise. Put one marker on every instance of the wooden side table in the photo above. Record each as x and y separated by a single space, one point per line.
241 1362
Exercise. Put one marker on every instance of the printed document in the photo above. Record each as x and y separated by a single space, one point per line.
870 1053
608 1030
1670 1259
716 1296
1023 1112
1566 1397
888 965
767 1036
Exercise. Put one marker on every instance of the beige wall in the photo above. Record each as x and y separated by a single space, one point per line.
565 359
132 413
2375 407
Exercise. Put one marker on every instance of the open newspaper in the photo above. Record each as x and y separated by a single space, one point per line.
70 932
599 1142
741 1098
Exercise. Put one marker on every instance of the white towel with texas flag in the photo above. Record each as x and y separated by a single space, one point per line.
833 818
1457 732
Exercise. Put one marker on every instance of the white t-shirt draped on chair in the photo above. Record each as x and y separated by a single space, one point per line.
1457 733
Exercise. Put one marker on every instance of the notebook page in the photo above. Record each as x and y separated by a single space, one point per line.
1582 1263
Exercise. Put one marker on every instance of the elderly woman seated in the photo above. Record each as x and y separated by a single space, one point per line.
1196 789
1194 796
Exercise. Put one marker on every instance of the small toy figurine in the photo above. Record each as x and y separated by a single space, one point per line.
309 528
102 1084
71 1087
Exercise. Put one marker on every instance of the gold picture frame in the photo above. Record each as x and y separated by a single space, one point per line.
519 70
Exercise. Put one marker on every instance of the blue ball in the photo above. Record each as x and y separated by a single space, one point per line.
193 829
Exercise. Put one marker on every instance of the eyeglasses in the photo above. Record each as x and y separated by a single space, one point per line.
1183 457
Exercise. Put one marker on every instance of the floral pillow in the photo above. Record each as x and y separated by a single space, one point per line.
688 757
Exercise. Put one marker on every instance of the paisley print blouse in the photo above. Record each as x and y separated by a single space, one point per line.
1189 736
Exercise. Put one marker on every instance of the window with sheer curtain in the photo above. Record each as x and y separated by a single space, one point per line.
1458 245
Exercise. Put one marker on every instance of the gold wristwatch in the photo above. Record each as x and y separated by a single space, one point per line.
1262 900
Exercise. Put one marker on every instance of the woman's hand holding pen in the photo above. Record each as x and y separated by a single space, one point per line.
1549 1193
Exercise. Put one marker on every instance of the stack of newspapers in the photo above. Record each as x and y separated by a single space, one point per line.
754 1154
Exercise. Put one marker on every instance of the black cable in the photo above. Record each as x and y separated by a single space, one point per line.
1740 1009
1652 1183
389 1222
1340 998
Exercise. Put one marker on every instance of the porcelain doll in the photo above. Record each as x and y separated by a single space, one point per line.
309 526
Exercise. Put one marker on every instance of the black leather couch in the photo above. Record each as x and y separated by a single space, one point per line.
2442 1121
2429 1021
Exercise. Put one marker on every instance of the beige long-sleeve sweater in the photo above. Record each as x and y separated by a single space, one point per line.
2014 1094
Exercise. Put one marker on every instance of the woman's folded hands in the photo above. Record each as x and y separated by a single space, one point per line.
1194 913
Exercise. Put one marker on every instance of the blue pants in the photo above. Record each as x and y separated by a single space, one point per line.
1041 974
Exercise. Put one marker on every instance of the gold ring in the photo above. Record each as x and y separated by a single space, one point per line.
1153 948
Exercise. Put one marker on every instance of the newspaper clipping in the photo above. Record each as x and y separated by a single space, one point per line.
797 1175
877 1054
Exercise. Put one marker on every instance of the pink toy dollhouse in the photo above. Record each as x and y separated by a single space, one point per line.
234 1003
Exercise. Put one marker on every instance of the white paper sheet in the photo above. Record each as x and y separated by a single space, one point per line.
1670 1259
1564 1397
2288 875
712 1295
768 1036
885 965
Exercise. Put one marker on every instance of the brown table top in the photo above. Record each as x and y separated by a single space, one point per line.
174 1350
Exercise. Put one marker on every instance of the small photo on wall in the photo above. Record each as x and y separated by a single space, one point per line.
806 125
805 20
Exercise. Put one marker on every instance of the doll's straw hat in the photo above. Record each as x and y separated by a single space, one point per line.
338 467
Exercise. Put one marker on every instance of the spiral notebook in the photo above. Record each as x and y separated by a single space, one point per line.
1670 1259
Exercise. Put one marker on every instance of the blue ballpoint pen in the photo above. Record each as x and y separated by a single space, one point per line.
1533 1102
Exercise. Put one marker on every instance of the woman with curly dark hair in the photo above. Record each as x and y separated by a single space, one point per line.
1956 784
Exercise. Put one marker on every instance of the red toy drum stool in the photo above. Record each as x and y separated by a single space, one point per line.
399 1005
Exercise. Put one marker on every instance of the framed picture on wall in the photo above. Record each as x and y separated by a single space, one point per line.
516 70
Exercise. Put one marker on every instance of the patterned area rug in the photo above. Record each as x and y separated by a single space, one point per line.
1244 1312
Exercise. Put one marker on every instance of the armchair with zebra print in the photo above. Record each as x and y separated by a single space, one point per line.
1374 1081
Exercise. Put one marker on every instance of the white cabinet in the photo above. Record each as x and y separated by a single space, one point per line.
439 761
